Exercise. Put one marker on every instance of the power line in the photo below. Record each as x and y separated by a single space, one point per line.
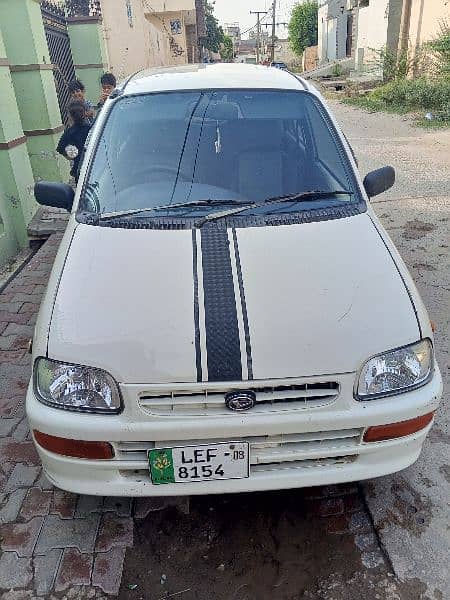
258 30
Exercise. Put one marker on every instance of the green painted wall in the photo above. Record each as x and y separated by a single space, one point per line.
86 42
17 182
17 204
23 33
45 160
26 44
36 99
88 48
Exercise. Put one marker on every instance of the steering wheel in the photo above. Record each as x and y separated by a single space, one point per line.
162 169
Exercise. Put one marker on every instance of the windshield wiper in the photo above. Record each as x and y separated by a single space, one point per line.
129 213
301 197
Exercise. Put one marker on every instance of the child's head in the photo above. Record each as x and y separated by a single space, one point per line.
108 83
77 112
77 89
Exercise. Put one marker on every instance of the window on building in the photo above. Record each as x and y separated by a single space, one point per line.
129 13
175 27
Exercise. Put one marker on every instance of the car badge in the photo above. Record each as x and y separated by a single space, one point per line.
240 401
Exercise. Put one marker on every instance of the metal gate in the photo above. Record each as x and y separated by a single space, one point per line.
55 26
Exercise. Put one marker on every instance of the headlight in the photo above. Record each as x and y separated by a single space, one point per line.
396 371
73 387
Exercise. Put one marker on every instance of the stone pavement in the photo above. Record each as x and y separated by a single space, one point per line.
50 540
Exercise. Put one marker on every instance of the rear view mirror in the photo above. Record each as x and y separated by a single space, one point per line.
51 193
377 182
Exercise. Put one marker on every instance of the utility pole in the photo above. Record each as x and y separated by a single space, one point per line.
258 30
274 23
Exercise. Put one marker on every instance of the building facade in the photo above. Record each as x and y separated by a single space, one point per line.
359 29
140 34
66 39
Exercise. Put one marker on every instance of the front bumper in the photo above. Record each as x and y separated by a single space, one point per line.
288 449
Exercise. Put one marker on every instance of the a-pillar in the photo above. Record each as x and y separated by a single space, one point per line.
34 85
17 205
88 53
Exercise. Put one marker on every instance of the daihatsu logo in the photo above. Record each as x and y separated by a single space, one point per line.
240 401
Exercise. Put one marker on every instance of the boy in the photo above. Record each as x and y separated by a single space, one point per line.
75 136
78 92
108 83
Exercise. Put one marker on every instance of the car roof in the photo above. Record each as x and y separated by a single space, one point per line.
212 76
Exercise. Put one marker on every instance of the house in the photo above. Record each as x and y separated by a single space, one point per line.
357 29
140 34
233 30
335 30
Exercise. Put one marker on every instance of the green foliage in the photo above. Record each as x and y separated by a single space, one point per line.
408 95
214 32
397 65
440 47
227 49
336 71
303 26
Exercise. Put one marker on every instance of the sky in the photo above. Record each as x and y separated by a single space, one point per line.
229 11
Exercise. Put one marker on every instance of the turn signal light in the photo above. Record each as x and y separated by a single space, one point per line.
75 448
396 430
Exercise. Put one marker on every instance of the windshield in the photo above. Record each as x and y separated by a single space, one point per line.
224 146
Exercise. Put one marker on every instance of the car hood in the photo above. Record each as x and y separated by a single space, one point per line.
153 306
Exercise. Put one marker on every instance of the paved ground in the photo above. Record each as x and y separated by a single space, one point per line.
410 509
386 539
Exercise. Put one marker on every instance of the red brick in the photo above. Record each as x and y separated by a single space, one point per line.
107 573
21 537
12 385
8 406
331 506
24 288
29 307
7 317
13 342
337 524
19 452
75 569
114 531
63 504
36 504
11 356
353 503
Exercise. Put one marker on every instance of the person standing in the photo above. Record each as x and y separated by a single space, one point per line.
78 92
108 83
72 141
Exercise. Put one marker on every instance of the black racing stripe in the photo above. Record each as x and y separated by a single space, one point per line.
248 345
222 331
198 356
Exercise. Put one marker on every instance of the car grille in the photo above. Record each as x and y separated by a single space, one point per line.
266 451
206 401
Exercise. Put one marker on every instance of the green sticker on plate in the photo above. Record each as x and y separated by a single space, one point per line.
161 466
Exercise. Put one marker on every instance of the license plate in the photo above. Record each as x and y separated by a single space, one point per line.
187 464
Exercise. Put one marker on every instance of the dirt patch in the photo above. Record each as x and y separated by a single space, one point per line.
445 470
410 510
367 585
240 547
414 230
424 267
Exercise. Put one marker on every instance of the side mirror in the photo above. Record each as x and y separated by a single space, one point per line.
377 182
51 193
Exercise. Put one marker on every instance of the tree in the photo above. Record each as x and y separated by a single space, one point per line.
227 48
214 33
303 26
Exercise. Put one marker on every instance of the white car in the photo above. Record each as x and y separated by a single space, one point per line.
225 313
